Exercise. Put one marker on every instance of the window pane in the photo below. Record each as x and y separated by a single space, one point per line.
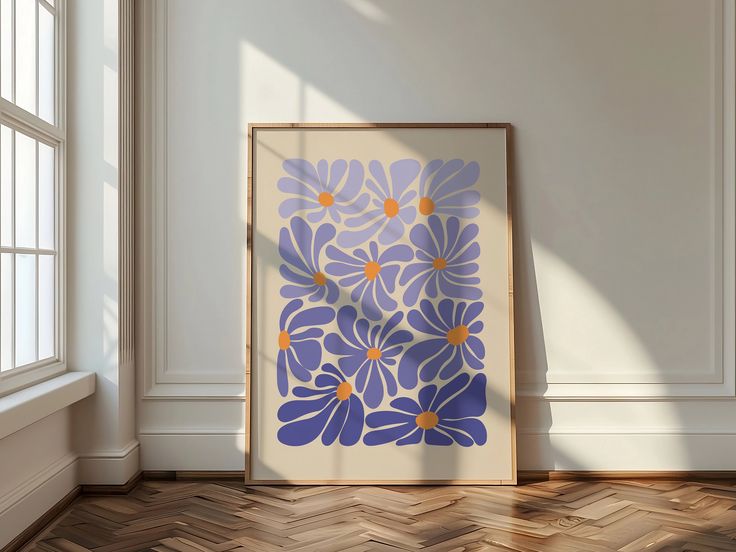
45 196
45 65
45 306
6 49
25 309
25 54
6 311
6 186
25 191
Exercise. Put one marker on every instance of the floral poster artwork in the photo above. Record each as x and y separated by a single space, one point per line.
365 395
380 311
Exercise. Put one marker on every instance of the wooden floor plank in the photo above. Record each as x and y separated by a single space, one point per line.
569 516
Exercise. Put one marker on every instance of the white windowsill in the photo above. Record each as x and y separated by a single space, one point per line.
24 407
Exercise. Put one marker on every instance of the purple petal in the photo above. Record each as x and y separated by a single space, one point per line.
464 178
444 173
432 367
282 380
470 426
289 185
414 356
434 437
353 427
353 183
303 170
419 323
426 394
412 439
379 175
470 402
289 291
296 409
305 431
290 206
387 435
407 405
291 276
315 316
336 255
348 238
396 253
449 390
474 309
290 307
403 173
392 231
428 170
336 423
453 367
421 238
289 254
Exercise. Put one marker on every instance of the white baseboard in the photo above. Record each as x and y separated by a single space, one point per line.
535 451
114 467
627 451
35 496
192 451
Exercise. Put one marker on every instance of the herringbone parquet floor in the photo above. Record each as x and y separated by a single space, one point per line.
626 516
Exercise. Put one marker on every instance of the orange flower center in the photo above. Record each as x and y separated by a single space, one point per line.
319 278
284 340
458 335
371 270
344 390
391 207
427 420
373 353
426 206
326 199
439 263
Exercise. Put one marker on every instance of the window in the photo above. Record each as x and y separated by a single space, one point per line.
31 160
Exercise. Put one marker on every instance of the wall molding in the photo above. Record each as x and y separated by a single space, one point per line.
720 379
161 380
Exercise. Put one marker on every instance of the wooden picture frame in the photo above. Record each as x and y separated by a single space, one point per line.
255 130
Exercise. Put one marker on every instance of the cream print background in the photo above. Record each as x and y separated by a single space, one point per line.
343 456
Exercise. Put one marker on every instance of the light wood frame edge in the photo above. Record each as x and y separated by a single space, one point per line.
252 127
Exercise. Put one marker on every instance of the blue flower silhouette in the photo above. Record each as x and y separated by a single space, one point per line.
299 351
440 416
443 259
303 269
372 276
338 412
454 344
322 189
368 352
444 188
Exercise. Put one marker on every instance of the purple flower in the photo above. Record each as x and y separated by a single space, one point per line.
371 276
339 412
444 259
368 351
322 189
440 417
392 205
443 188
453 345
299 351
303 261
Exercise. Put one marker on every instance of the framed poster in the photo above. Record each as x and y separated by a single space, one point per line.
379 305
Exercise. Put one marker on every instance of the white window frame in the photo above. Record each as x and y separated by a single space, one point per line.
53 135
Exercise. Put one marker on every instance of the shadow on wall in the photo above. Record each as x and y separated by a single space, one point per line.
589 260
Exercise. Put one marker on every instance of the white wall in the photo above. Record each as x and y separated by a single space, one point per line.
624 203
106 444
